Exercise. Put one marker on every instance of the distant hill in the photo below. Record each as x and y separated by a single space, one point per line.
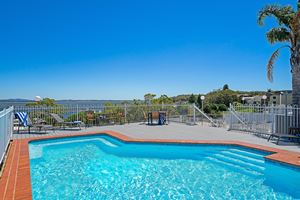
183 98
15 100
88 102
4 103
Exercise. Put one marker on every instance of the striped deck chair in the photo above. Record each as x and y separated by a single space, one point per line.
25 121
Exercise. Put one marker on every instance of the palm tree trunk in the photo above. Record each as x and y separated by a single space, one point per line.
295 63
296 86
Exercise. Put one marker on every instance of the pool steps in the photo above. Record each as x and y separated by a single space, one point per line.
235 167
244 158
247 153
240 162
243 161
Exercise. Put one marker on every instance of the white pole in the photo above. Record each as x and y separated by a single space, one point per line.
125 112
280 98
286 114
202 104
194 114
230 123
77 112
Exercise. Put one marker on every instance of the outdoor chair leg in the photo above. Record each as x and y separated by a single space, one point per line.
278 140
270 137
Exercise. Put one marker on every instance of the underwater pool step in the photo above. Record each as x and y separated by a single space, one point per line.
238 162
256 161
247 153
236 167
36 151
106 142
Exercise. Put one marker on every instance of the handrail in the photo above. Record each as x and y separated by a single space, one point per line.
6 111
232 110
206 116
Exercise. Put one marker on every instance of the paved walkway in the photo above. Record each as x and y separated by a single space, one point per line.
175 131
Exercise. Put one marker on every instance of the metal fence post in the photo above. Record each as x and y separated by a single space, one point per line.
12 121
230 120
125 113
273 117
194 113
286 115
77 116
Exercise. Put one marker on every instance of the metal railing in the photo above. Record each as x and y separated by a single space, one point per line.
204 116
6 130
262 119
119 114
109 114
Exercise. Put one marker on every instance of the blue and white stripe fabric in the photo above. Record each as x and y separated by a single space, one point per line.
22 117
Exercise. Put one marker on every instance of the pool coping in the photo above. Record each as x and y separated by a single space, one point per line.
15 182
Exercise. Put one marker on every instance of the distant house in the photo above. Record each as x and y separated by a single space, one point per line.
280 98
254 100
273 98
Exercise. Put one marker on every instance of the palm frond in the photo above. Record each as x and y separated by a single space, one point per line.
270 65
283 14
280 34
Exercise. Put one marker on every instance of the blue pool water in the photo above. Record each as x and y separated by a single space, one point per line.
101 167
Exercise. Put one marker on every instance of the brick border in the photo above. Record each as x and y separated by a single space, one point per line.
15 182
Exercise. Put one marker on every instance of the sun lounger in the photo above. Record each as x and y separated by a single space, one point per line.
280 136
25 121
65 124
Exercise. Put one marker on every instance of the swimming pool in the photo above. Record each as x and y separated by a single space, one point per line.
103 167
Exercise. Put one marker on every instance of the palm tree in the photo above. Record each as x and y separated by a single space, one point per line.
287 32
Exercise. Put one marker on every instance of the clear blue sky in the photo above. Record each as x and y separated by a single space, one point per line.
124 49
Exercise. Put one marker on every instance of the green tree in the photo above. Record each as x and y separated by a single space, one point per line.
222 107
206 109
44 102
137 102
222 97
225 87
192 99
287 32
149 97
163 99
181 98
199 101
